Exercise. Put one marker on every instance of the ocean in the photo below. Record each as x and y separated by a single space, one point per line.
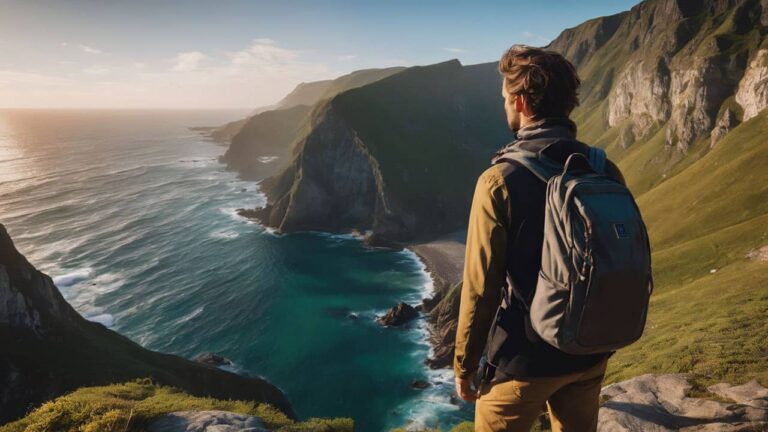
135 219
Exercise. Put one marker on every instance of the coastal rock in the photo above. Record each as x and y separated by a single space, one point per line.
752 94
661 403
212 359
444 321
399 315
206 421
255 214
420 384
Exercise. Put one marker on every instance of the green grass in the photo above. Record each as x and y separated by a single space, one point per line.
725 187
707 217
132 406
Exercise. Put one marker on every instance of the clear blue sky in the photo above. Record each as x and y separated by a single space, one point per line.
220 54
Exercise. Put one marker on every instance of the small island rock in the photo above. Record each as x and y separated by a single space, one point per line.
399 315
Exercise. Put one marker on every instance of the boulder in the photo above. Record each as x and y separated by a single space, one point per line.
662 403
420 384
212 359
206 421
399 315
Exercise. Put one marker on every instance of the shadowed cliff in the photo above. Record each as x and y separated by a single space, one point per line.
47 349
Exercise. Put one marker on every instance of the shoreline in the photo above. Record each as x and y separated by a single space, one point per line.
443 260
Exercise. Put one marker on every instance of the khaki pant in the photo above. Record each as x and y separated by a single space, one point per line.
573 401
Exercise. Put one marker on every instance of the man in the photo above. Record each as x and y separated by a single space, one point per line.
504 243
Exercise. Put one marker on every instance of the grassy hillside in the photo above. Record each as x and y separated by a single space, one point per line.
132 406
707 315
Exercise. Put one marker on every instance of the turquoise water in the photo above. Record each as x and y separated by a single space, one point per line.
135 219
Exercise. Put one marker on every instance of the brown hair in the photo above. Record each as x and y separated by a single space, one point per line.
548 80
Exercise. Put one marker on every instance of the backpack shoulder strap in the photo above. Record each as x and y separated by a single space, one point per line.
597 159
539 165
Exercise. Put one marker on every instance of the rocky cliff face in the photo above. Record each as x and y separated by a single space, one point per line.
332 183
752 94
47 349
670 63
264 142
398 157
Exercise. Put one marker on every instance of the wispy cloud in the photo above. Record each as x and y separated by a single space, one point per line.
264 52
260 73
89 50
535 39
346 57
455 50
189 61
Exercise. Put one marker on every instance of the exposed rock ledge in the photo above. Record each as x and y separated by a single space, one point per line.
648 403
206 421
661 403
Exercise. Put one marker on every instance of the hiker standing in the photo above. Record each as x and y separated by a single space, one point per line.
557 271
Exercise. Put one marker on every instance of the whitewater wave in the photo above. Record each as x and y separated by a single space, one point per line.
105 319
72 278
190 316
226 234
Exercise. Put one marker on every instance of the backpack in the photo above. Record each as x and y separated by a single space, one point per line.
595 281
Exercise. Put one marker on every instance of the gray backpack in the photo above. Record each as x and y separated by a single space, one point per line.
595 281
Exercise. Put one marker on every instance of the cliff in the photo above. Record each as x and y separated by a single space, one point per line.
47 349
398 157
672 76
262 144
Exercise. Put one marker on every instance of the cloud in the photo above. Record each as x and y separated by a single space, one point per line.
189 61
263 52
455 50
258 74
535 39
89 50
346 57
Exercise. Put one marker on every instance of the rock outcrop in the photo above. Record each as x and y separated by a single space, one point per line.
726 122
661 403
47 349
212 359
753 88
400 314
206 421
673 63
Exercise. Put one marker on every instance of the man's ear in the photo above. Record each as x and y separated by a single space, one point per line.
519 103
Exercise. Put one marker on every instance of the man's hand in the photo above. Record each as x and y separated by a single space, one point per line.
465 388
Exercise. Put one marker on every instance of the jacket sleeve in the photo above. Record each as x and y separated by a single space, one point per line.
484 270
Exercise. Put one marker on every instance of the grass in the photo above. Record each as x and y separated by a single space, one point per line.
707 315
132 406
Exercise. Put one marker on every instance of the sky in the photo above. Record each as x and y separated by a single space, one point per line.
222 54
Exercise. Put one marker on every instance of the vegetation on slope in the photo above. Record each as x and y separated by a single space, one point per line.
707 315
132 406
